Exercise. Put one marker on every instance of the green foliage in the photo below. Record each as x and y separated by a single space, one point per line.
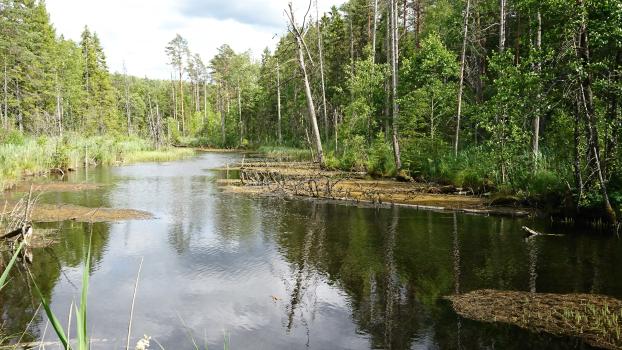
381 161
354 156
12 137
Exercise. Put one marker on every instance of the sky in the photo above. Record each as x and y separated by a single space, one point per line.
135 32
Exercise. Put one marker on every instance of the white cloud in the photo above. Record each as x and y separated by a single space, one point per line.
136 31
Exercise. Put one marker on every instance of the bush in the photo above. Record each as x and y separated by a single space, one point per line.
354 155
381 160
13 137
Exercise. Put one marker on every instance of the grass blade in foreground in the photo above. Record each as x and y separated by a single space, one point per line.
58 328
5 274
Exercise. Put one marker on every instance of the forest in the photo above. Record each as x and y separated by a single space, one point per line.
513 97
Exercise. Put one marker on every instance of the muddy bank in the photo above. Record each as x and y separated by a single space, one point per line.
596 319
304 179
55 187
62 212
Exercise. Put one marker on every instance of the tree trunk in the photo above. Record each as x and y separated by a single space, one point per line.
222 116
20 120
278 100
536 120
502 25
59 109
461 86
394 58
321 53
240 114
205 115
310 105
174 92
127 102
351 47
587 101
6 99
373 35
181 99
578 178
387 83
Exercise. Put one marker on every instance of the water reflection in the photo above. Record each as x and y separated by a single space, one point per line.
284 274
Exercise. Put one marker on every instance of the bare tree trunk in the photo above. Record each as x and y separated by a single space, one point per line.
310 105
158 126
181 99
20 119
503 117
321 53
127 101
223 117
394 58
536 120
578 179
59 108
461 86
387 83
240 113
587 101
502 25
174 102
351 47
373 37
278 100
6 98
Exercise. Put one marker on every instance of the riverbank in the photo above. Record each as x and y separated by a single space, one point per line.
22 157
306 179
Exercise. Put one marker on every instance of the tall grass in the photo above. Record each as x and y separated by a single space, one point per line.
286 153
24 156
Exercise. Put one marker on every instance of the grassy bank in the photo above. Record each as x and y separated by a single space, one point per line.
28 156
544 185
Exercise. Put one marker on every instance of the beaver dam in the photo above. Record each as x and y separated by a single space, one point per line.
594 318
306 179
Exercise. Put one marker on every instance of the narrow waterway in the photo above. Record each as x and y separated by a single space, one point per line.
267 273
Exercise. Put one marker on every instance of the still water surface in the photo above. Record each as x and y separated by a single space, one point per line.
268 273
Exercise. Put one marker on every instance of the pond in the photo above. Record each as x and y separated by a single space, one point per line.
270 273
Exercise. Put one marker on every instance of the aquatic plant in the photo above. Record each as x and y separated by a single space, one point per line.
81 312
594 318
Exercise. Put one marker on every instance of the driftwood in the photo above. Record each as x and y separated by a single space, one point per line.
26 231
533 233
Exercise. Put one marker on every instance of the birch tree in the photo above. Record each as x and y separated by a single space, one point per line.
299 33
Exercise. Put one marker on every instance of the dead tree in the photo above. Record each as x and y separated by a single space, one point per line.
462 64
586 101
299 33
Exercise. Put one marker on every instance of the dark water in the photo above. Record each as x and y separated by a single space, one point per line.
280 274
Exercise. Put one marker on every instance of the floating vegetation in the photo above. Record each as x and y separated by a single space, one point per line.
596 319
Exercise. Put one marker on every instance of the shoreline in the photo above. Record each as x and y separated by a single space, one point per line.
306 180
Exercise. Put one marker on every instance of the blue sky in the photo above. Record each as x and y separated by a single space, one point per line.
136 31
